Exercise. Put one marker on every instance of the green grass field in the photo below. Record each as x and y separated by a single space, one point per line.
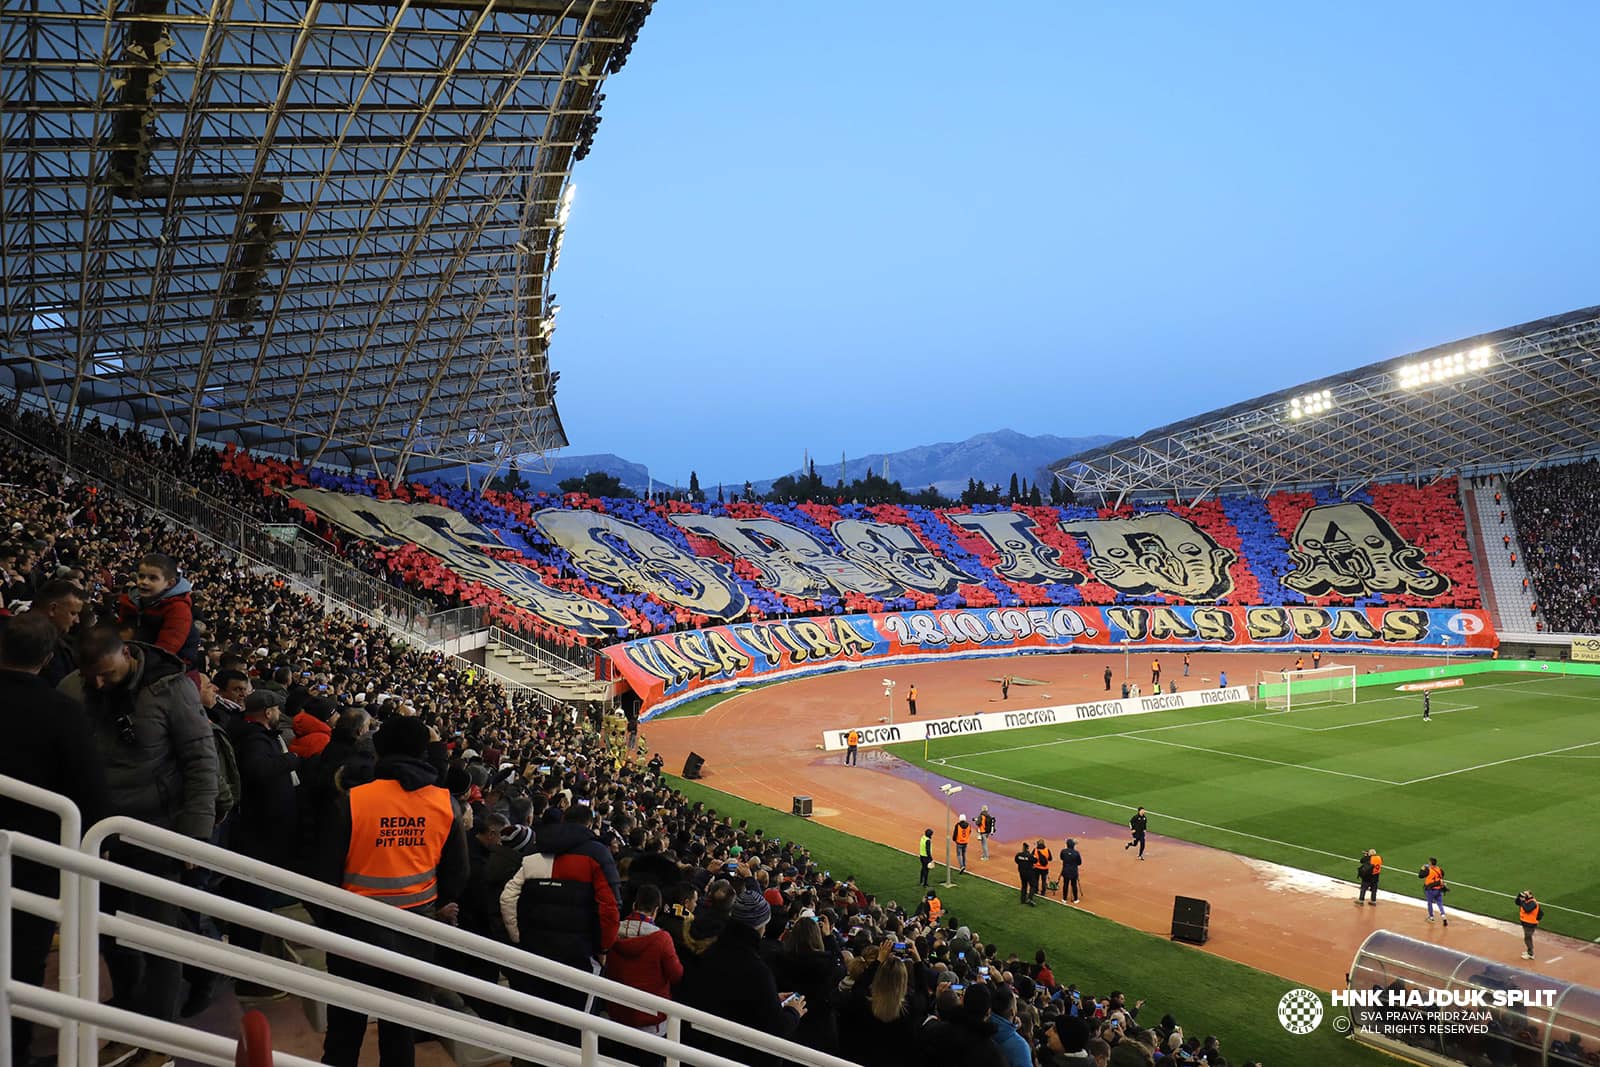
1207 994
1501 785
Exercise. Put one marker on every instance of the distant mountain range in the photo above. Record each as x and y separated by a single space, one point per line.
988 457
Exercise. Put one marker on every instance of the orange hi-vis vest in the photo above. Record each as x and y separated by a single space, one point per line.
1041 859
1530 917
963 833
396 839
935 909
1434 879
1377 863
852 739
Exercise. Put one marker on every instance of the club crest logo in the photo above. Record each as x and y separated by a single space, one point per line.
1351 550
1300 1011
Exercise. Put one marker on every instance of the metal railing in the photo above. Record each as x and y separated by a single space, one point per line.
308 558
82 925
567 668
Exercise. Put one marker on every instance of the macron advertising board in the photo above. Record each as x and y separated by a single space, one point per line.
879 733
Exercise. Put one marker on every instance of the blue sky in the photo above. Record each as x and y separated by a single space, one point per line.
913 223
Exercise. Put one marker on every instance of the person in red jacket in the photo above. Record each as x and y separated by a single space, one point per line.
161 612
311 729
643 957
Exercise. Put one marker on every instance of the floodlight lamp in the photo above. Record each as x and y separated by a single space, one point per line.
949 790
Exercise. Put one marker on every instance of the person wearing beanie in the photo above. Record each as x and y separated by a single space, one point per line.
312 730
962 1035
563 904
421 866
733 982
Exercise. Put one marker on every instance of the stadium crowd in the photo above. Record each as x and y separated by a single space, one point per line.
227 704
1553 509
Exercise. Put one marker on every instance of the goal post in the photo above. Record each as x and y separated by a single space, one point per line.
1286 690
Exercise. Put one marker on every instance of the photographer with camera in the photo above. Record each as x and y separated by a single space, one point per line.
1529 912
1433 887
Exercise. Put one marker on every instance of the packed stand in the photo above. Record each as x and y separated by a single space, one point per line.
1553 509
223 704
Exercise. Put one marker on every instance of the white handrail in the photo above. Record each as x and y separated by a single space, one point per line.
173 943
50 1007
176 846
71 833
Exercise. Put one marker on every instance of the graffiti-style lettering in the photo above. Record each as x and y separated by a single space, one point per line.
1266 624
461 544
1023 557
895 553
624 555
730 660
1131 621
1351 550
790 560
1167 624
1308 623
1213 624
1351 625
1156 552
758 636
1405 624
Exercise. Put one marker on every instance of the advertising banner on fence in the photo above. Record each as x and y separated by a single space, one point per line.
994 722
668 666
1586 650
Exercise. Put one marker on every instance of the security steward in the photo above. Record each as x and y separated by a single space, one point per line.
1529 912
395 840
851 741
1433 887
962 836
1369 870
1041 866
1024 861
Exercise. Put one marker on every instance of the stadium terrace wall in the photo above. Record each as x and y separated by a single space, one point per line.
667 669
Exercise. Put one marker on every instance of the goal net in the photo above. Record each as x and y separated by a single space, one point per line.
1287 690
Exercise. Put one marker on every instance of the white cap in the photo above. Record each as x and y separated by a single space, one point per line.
963 817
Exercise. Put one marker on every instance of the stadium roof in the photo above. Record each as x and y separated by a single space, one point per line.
1501 401
316 229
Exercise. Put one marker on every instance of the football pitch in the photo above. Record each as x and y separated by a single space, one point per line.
1500 785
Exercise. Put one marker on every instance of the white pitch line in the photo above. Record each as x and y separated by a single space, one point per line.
1263 759
1496 763
1236 833
1369 722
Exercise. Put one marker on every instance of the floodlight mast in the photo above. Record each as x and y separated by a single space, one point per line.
949 790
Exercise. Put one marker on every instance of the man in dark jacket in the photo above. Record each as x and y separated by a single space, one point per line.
1024 861
1071 860
61 601
265 826
563 904
733 982
161 767
405 785
46 745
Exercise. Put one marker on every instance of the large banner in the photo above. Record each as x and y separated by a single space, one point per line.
879 733
671 666
1586 649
